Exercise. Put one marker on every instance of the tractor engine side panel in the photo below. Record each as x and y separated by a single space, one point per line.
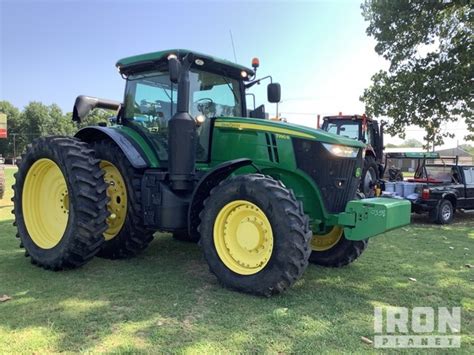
274 155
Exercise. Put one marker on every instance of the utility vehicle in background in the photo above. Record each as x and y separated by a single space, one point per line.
184 156
439 186
443 188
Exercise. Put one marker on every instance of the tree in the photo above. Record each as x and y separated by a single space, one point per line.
468 148
97 116
38 120
58 123
430 48
411 143
13 124
42 120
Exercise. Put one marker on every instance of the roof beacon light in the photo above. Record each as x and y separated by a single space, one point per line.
255 63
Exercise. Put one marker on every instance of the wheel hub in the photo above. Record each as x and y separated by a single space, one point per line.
446 212
327 241
117 193
45 201
64 201
243 237
247 235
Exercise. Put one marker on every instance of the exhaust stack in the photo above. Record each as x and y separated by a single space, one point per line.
181 129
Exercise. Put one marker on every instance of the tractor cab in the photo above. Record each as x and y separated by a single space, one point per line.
362 128
151 100
368 131
217 88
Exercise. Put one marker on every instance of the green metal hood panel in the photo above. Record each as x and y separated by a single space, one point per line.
283 128
372 216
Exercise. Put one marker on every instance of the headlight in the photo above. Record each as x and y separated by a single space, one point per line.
341 150
200 119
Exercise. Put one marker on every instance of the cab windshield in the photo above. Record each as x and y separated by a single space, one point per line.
151 100
345 129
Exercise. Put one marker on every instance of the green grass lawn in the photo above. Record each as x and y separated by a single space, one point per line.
166 300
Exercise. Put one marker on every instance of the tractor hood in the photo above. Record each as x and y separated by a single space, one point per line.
288 129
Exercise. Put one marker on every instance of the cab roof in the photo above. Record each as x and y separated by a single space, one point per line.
347 117
150 61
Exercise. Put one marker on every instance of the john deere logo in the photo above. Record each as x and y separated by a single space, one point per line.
358 172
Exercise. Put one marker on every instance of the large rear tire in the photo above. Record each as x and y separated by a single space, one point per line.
60 203
126 235
255 235
334 250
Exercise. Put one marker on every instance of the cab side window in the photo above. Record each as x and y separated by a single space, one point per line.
370 135
469 175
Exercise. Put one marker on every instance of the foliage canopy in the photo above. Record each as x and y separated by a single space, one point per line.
38 119
429 45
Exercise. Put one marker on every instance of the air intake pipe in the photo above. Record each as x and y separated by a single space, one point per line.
181 129
85 104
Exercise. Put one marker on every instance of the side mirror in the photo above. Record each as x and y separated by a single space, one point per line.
274 92
174 68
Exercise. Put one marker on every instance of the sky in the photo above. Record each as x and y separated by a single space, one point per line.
52 51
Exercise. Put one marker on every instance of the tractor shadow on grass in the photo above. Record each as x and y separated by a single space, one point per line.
166 300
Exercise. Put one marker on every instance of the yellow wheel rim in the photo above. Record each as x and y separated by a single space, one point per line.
243 237
117 192
45 202
322 242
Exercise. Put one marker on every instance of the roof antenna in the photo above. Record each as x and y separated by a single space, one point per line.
233 47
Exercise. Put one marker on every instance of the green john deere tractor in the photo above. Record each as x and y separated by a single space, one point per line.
186 155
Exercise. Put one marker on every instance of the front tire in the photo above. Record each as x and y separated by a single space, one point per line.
255 235
370 176
334 250
126 235
60 203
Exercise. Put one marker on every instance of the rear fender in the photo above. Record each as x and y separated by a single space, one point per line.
451 197
131 150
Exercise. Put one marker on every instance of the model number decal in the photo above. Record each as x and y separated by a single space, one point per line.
378 213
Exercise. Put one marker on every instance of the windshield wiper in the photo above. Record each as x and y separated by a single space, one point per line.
230 88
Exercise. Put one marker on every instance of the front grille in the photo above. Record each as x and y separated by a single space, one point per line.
335 176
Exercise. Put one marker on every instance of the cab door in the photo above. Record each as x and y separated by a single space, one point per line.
468 172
